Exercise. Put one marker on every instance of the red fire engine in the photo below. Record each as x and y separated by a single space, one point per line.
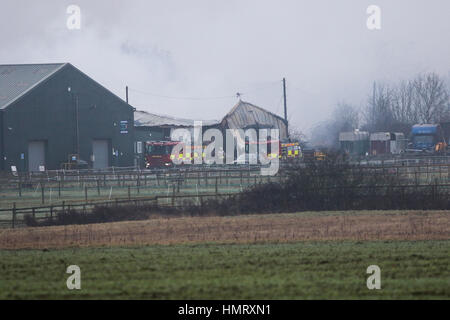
159 154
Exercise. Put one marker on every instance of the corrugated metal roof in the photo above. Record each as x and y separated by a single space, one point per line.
246 115
146 119
17 79
354 136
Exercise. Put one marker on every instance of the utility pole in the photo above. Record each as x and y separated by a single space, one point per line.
285 107
127 93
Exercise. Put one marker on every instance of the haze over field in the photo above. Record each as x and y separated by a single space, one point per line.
213 49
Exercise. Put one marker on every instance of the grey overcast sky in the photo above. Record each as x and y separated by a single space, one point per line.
213 49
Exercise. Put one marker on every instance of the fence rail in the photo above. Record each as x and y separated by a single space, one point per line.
17 214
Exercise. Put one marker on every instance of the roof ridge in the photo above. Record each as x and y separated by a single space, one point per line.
241 102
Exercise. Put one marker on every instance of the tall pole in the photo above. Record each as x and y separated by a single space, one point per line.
285 107
127 93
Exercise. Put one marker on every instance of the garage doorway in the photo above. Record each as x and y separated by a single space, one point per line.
36 155
100 154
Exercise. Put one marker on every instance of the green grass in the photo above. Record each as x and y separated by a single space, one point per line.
307 270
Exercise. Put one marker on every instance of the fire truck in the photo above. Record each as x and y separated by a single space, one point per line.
291 150
158 154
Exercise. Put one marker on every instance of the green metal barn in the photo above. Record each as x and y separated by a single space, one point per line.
50 112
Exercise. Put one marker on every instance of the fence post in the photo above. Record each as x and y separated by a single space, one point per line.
14 215
98 186
20 186
42 193
217 187
85 193
59 189
138 183
173 195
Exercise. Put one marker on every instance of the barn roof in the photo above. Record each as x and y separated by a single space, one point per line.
18 79
246 115
147 119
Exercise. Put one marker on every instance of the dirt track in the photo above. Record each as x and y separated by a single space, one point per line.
393 225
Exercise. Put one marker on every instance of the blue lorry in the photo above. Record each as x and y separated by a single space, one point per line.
429 138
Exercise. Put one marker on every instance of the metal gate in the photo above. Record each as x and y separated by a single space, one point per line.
100 154
36 155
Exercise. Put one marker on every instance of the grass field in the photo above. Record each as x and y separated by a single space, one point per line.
269 228
310 255
305 270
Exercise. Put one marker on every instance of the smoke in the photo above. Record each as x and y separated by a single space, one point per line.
213 49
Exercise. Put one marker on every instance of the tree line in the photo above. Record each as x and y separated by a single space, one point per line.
390 108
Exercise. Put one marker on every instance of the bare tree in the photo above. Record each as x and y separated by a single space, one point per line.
431 99
403 103
378 113
345 117
425 99
422 100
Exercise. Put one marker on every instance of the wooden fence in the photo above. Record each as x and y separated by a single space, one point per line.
17 214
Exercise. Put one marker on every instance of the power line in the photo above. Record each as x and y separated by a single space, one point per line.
181 98
258 88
